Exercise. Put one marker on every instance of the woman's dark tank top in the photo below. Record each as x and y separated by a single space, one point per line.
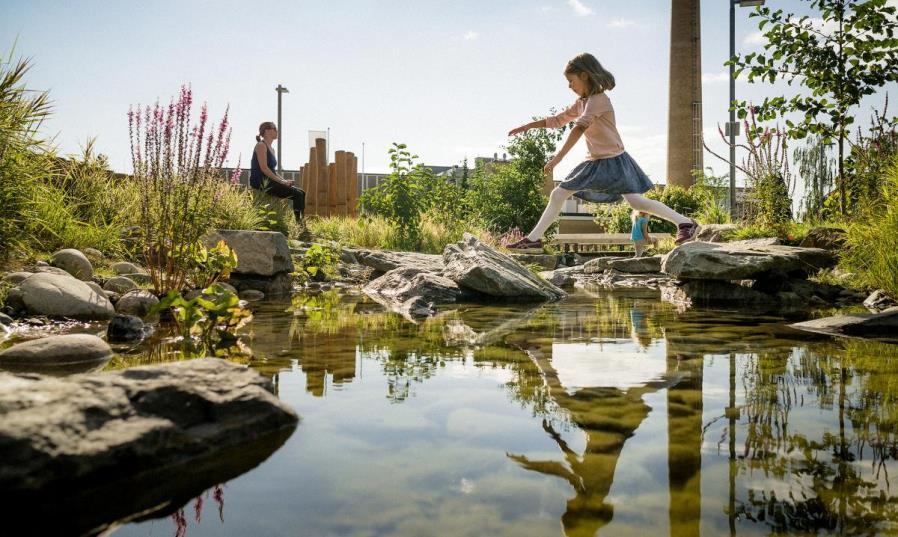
256 177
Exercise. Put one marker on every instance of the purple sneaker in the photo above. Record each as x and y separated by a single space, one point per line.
525 245
686 232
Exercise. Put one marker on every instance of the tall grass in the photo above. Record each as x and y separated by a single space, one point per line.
376 232
872 241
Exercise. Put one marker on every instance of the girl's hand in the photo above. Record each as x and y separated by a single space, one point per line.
518 130
547 169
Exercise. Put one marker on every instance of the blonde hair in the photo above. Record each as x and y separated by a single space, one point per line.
599 79
264 127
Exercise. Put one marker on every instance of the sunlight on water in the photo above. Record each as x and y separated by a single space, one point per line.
604 414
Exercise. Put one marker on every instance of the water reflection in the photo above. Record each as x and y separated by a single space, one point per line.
760 428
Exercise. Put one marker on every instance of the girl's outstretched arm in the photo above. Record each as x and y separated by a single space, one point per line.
539 124
572 139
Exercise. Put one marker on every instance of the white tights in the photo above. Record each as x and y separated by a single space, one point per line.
637 201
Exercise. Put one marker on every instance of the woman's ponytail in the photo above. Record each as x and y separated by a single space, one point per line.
264 127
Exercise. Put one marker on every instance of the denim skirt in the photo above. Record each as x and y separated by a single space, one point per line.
604 180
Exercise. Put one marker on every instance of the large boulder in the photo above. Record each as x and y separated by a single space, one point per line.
475 266
259 253
123 268
125 328
728 261
74 262
397 286
63 296
82 452
600 264
57 355
385 260
15 278
828 238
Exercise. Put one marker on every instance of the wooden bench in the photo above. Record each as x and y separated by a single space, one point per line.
583 242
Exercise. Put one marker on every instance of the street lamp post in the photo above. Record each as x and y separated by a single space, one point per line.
732 127
281 90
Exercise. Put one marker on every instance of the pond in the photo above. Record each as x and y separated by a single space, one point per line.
607 413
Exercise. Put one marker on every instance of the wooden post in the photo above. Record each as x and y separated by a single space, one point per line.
323 183
352 191
331 189
341 183
312 191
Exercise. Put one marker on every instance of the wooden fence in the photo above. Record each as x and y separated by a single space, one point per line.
332 188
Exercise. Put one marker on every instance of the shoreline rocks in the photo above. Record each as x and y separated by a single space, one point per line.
57 355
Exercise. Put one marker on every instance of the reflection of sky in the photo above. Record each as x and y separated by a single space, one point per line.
585 365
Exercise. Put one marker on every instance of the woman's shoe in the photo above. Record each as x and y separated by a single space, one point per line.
686 232
525 245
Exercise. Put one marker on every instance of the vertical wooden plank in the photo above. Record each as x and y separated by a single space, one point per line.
341 183
323 182
312 191
332 189
352 187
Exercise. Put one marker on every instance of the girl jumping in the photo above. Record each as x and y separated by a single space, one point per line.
609 174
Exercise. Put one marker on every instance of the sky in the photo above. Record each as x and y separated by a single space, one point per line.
448 78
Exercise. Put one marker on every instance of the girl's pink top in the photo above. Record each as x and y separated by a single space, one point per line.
597 116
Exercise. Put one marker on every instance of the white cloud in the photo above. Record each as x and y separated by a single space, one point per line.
580 9
621 23
722 76
754 39
546 9
470 35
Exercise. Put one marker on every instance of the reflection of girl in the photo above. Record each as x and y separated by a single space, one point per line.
609 174
262 175
640 332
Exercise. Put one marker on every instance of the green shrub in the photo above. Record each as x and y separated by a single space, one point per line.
615 218
872 240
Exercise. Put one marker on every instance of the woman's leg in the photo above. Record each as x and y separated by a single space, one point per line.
550 213
296 195
656 208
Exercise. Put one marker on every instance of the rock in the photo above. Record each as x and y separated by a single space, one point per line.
636 265
63 296
694 293
612 279
600 264
878 325
113 297
474 265
119 284
562 277
252 295
47 269
730 261
347 257
715 232
385 261
57 355
762 241
82 452
548 262
878 301
827 238
74 262
139 278
123 268
123 328
138 302
94 254
279 284
228 286
401 284
97 289
6 320
14 301
15 278
259 253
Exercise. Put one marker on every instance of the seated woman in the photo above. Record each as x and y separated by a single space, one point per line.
262 175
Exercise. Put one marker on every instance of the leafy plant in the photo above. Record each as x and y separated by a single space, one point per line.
212 317
844 53
212 264
317 262
399 197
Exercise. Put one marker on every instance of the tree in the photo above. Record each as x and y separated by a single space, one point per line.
849 52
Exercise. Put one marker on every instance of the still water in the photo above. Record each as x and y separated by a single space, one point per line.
607 413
